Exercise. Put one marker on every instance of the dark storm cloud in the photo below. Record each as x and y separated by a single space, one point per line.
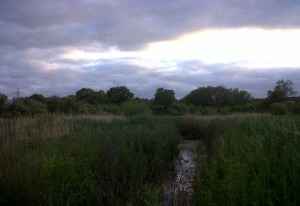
131 23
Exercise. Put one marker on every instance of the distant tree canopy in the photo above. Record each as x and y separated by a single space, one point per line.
163 100
164 97
217 96
282 90
119 100
118 95
38 97
84 93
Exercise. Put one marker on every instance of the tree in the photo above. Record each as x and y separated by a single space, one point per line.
118 95
98 98
3 101
282 90
38 97
70 105
84 93
217 96
164 97
54 104
35 107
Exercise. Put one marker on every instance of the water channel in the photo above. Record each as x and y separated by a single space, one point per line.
178 186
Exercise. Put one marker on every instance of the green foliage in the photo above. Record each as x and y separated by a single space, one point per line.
38 97
178 109
3 102
282 90
85 108
18 108
54 104
217 96
84 93
257 163
279 108
206 130
134 108
118 95
94 163
35 107
152 196
209 111
97 98
69 105
112 109
244 108
296 108
164 97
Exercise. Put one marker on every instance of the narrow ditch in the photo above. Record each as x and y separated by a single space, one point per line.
179 184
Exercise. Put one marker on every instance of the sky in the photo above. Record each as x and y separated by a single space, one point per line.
56 47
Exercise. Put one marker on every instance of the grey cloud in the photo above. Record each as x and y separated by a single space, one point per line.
131 24
40 30
141 81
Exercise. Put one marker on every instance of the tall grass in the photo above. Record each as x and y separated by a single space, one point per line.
75 161
257 163
101 160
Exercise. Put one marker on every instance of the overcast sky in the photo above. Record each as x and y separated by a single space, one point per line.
56 47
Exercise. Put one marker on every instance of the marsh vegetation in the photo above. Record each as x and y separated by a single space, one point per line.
112 160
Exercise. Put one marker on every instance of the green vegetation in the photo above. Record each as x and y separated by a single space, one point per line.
113 160
120 101
82 161
255 161
108 148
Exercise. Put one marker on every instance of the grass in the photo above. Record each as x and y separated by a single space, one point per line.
257 163
90 162
110 160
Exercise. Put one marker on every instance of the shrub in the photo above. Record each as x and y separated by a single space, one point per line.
209 111
243 108
296 108
112 109
134 108
278 109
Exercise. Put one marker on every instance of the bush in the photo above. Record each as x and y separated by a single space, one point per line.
177 109
36 107
278 109
296 108
244 108
209 111
134 108
112 109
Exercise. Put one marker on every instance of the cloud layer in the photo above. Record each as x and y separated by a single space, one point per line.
57 47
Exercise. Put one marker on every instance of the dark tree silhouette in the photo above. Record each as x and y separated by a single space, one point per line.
282 90
118 95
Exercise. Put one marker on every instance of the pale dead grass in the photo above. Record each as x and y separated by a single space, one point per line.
25 128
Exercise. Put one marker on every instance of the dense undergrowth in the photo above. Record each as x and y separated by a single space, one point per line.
254 161
90 162
244 160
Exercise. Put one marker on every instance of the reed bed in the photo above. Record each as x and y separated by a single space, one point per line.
257 163
85 161
111 160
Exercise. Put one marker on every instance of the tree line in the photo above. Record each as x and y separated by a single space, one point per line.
120 100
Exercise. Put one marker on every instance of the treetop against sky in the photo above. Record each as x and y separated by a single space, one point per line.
57 47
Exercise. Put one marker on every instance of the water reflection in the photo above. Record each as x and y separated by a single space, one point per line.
178 187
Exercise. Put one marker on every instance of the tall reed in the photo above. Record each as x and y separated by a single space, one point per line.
89 162
258 163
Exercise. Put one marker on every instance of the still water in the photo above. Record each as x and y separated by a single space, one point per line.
178 186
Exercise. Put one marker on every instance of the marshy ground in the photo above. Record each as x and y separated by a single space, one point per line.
112 160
